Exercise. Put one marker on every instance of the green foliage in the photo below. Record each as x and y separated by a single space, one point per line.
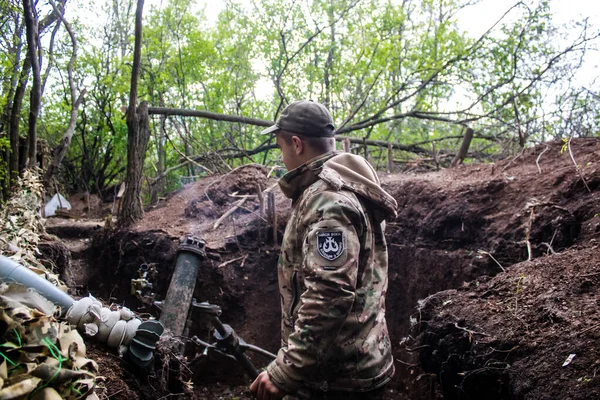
391 71
565 147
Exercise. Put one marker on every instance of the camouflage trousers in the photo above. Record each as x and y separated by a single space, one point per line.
376 394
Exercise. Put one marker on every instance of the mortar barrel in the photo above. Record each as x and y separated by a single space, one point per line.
176 306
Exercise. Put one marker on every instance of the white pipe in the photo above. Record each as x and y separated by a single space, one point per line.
119 330
11 271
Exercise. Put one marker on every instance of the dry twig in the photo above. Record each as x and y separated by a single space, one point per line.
270 188
228 173
513 160
537 160
229 212
577 166
529 255
407 364
226 263
588 329
492 257
273 168
261 200
185 157
549 247
254 213
470 332
417 348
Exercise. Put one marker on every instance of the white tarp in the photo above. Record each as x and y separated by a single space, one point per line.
54 203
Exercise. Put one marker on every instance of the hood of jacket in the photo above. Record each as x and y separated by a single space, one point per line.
341 171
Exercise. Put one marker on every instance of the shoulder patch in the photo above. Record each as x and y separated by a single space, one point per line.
330 245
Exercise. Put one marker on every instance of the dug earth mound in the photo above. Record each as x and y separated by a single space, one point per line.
492 277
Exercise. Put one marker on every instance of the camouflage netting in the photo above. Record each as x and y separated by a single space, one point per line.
22 226
40 357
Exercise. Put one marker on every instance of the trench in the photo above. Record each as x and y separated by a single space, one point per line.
444 236
248 293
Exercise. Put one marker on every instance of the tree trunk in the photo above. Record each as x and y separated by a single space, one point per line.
137 142
49 54
63 146
11 85
138 135
464 148
61 150
15 164
31 26
5 123
159 187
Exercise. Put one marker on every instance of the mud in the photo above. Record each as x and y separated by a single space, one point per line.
493 325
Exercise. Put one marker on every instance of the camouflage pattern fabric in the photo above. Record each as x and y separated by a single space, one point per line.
333 278
40 358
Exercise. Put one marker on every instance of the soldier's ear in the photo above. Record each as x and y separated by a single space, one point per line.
297 144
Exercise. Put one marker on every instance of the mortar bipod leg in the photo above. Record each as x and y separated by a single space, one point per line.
227 339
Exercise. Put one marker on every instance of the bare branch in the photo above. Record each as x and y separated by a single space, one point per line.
208 115
188 159
425 83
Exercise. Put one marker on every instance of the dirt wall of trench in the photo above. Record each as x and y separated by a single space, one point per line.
453 227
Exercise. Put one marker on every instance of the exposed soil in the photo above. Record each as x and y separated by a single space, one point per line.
469 315
510 337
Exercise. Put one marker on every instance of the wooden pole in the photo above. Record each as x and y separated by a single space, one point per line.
464 148
436 156
346 143
58 195
390 158
261 199
273 215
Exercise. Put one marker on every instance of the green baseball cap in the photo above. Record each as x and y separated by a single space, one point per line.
304 117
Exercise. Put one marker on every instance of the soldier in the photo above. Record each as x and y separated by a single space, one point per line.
332 269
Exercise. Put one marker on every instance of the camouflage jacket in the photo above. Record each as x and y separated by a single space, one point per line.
333 278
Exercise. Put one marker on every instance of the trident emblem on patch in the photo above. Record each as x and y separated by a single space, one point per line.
330 244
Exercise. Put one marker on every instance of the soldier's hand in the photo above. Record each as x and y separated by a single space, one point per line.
263 389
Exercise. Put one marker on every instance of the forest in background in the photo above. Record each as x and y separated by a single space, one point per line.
401 79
